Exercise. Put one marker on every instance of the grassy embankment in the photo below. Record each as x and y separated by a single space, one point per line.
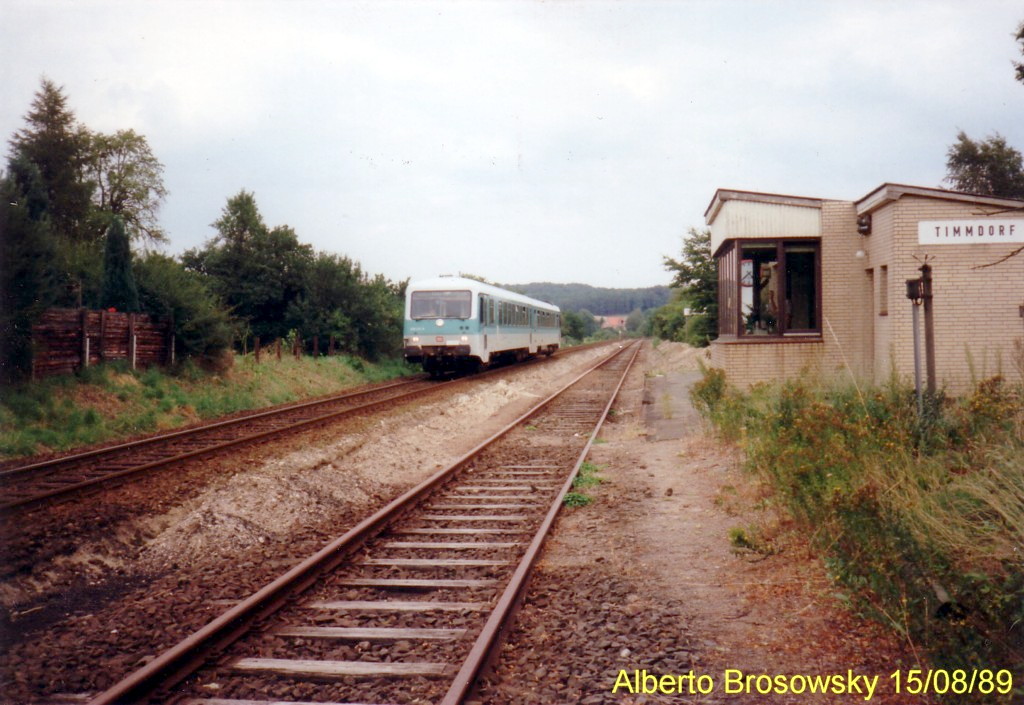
920 522
110 401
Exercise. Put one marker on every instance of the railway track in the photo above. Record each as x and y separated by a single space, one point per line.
407 606
41 483
35 484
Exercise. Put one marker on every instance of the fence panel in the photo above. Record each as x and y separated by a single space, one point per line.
64 339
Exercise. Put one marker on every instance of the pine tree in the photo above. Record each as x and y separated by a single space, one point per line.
119 290
58 146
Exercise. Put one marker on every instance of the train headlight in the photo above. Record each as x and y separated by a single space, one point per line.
464 339
415 339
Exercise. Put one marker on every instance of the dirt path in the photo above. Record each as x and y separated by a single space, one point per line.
654 547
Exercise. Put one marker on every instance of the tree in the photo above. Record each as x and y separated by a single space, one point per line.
202 325
696 274
29 282
257 272
240 221
579 325
988 168
635 321
326 306
1020 66
58 146
669 321
128 182
119 289
377 315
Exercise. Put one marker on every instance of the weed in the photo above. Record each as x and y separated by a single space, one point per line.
919 519
576 499
750 539
582 480
115 401
666 405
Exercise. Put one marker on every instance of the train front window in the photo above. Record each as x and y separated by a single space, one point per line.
440 304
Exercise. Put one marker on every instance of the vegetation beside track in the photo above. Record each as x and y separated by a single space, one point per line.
919 519
109 402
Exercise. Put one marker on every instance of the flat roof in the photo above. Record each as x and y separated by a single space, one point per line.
722 195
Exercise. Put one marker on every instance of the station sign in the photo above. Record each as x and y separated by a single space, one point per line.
969 231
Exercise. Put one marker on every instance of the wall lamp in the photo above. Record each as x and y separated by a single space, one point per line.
864 224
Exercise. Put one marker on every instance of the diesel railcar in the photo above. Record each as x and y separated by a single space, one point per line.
454 323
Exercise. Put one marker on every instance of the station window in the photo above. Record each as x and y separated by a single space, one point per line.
883 290
770 288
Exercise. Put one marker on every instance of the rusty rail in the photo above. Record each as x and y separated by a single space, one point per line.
184 658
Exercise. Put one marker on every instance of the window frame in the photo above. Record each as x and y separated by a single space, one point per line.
730 298
418 296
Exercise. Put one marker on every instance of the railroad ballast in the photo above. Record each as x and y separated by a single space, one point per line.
455 323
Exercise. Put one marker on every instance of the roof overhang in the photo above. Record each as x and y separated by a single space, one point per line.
888 193
722 195
736 215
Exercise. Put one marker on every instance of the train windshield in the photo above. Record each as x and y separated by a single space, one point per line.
440 304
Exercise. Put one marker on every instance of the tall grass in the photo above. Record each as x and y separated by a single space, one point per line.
110 401
920 519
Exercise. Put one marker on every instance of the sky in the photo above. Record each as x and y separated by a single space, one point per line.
521 141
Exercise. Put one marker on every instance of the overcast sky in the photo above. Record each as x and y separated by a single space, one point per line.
571 141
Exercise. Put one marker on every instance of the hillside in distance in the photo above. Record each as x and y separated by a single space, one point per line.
601 301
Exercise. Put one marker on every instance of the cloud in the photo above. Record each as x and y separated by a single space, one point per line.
518 140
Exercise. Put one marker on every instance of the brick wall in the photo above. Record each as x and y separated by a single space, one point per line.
976 310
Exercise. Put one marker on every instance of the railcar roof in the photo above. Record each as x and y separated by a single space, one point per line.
442 283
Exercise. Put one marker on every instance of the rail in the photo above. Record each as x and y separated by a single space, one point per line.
519 486
41 483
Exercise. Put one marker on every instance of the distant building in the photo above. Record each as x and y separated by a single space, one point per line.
809 285
613 322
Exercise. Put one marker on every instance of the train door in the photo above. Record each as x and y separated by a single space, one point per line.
485 321
531 321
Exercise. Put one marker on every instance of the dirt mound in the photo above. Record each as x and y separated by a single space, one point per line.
676 357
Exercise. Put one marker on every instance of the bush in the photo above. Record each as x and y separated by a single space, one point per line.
202 327
921 520
699 330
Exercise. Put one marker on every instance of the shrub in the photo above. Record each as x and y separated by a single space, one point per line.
921 519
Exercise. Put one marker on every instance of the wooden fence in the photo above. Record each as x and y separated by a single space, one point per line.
65 340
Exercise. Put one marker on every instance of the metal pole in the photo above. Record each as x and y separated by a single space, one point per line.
929 326
917 359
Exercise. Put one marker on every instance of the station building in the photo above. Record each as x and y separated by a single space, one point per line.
811 286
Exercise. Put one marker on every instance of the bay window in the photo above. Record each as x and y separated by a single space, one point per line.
769 288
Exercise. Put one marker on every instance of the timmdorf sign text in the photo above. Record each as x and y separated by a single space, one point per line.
963 232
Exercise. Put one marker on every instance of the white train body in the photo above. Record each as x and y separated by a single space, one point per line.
454 322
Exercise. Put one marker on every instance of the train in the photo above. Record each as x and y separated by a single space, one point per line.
457 324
